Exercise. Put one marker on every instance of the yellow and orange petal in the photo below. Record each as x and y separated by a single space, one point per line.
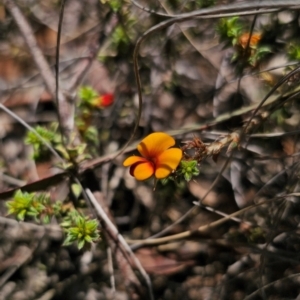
132 160
166 162
140 167
155 144
142 170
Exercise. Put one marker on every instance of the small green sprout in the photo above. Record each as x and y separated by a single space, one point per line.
115 5
87 95
91 135
39 148
80 229
120 36
33 206
188 169
229 29
21 205
293 52
256 235
259 54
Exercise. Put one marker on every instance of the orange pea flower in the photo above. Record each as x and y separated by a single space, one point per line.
157 159
254 40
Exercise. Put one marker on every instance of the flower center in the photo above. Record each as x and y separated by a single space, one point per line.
153 161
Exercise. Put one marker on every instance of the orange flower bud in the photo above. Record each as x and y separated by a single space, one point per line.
106 100
254 40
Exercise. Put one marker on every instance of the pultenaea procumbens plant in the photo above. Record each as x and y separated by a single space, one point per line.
157 158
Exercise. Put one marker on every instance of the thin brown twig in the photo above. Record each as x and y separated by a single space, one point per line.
40 62
271 284
11 180
189 233
76 81
31 43
27 126
223 8
113 231
60 20
52 231
111 270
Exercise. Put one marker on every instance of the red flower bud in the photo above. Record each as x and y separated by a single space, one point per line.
106 100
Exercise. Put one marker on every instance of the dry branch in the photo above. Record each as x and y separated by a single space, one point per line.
64 104
123 254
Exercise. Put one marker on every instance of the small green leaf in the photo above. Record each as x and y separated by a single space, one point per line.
21 215
165 181
76 189
88 239
87 94
81 244
187 176
46 219
80 228
115 5
62 150
68 241
188 169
